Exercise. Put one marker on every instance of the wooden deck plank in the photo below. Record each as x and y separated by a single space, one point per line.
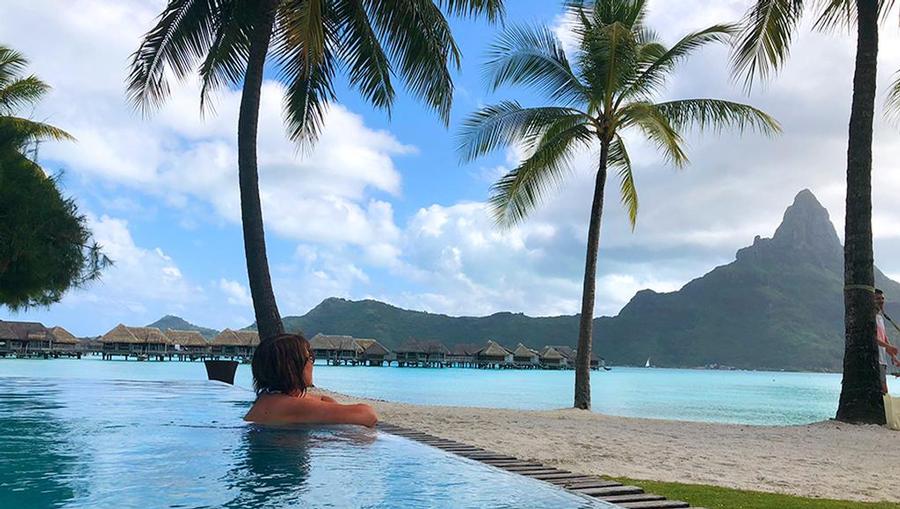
609 490
636 497
532 473
564 483
601 483
528 468
656 504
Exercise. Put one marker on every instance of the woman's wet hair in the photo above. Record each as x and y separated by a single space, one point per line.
278 364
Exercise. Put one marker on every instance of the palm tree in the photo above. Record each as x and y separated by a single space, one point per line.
309 40
619 70
762 49
47 247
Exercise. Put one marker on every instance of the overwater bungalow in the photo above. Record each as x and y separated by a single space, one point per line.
525 358
32 339
63 342
139 342
422 353
188 344
463 355
550 358
570 354
336 350
373 352
234 344
494 355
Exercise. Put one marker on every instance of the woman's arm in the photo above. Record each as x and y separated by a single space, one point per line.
318 411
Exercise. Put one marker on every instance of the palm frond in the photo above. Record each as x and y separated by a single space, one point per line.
369 67
765 37
12 65
836 15
522 190
419 40
306 64
226 60
658 63
657 127
716 114
16 132
20 93
608 59
618 160
892 101
533 56
507 123
181 36
491 9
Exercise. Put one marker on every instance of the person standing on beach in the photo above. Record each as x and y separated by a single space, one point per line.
887 353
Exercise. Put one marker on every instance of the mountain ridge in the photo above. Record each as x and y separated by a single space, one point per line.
177 323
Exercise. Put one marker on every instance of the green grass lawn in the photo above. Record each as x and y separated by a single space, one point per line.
713 497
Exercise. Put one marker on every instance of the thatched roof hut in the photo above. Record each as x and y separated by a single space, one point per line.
230 337
523 353
23 331
549 353
186 337
493 351
567 352
120 334
62 336
372 348
325 342
464 349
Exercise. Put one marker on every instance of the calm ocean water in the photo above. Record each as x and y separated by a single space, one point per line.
745 397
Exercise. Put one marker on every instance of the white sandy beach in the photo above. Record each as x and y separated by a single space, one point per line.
827 459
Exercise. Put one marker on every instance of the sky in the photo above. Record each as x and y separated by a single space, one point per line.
382 207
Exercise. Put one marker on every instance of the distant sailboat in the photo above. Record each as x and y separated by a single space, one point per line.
647 365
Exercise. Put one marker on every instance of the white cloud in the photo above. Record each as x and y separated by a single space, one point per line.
139 279
235 293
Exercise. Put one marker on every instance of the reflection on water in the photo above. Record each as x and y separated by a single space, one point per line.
79 444
33 440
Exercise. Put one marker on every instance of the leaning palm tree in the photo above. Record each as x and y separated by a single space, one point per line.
46 247
762 48
309 41
618 71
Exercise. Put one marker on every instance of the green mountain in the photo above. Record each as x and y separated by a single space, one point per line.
779 305
178 323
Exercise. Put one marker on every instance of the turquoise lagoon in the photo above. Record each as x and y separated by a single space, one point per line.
743 397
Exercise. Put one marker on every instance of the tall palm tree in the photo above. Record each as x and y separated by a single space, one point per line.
612 87
762 48
373 40
47 247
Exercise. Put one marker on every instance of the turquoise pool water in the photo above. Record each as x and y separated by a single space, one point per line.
106 443
745 397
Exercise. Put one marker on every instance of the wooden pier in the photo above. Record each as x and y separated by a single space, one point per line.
629 497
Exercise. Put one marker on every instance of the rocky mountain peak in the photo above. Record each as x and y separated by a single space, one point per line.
806 226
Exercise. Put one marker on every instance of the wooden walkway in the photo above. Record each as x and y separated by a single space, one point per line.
630 497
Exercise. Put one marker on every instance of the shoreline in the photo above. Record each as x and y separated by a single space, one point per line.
826 459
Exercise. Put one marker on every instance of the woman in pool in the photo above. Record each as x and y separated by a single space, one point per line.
282 371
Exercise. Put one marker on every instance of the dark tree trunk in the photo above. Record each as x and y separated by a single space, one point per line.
861 387
585 328
268 321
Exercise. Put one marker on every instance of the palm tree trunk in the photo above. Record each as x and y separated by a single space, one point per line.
585 328
861 388
268 321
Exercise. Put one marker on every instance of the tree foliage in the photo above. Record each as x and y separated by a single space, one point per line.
45 245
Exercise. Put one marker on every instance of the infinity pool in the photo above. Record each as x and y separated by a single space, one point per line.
80 443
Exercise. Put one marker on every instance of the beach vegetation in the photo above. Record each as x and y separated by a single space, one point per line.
610 86
715 497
